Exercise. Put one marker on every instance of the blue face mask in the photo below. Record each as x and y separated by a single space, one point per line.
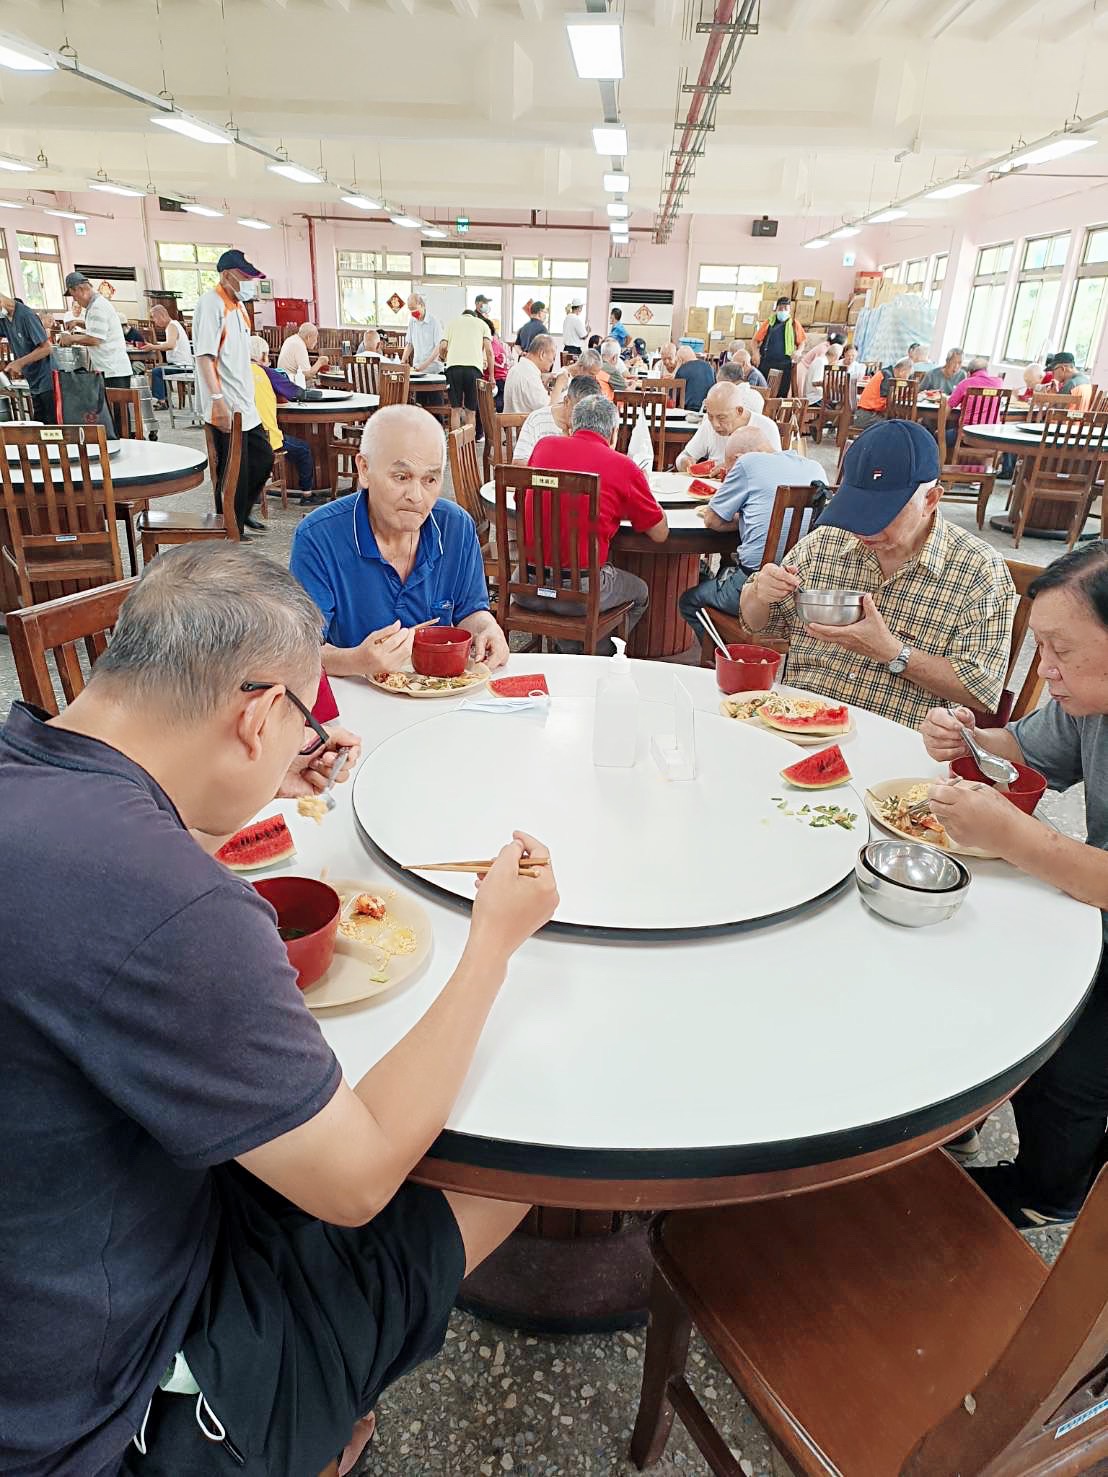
248 291
783 315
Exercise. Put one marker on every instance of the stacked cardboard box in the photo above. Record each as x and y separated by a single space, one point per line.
696 323
745 325
839 311
824 303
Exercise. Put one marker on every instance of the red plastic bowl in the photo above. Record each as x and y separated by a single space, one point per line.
441 651
1024 793
747 669
302 903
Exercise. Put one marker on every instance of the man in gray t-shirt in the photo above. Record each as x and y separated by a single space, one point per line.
1062 1110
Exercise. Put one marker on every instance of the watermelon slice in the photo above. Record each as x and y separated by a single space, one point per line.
520 686
821 771
701 469
826 719
702 489
263 844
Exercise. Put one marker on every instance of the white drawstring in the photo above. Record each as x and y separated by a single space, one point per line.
202 1406
139 1438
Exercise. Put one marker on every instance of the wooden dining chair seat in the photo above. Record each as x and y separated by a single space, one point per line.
893 1326
162 529
72 631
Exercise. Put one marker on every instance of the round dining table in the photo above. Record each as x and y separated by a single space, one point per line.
668 569
1047 518
315 421
767 1036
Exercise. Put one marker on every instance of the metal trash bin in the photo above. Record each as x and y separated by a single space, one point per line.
141 383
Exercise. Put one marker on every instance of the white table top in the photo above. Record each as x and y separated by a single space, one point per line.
815 1038
672 489
333 401
146 463
427 379
1006 435
682 517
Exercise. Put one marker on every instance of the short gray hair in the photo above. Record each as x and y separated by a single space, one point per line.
978 363
610 349
540 343
595 413
414 417
203 619
307 329
581 386
589 359
950 353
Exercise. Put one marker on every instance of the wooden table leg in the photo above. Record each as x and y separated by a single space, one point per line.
662 630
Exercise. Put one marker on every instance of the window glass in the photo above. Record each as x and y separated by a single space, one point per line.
994 259
1096 246
1086 322
398 261
1032 316
357 261
983 319
442 266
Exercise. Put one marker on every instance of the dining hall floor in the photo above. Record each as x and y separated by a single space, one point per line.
497 1401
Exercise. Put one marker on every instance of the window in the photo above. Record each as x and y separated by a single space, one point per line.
374 287
40 263
915 272
1090 297
986 299
557 282
5 273
188 269
1040 282
475 271
894 272
737 288
938 277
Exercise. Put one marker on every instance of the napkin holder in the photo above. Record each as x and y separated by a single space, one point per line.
675 753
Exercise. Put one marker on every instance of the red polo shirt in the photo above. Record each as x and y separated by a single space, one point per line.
625 493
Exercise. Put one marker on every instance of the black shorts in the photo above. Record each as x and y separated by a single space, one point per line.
301 1326
461 381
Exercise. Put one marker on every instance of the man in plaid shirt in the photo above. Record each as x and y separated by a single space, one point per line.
937 602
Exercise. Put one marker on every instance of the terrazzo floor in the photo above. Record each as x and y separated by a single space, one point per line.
498 1401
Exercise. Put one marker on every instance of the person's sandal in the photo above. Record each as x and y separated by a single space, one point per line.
360 1438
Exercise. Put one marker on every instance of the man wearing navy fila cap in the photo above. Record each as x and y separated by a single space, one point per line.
937 602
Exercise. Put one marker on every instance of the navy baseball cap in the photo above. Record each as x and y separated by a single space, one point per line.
234 261
881 473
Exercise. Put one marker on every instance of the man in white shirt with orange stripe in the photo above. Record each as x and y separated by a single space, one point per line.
225 380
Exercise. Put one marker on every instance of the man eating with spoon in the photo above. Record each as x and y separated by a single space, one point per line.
1062 1110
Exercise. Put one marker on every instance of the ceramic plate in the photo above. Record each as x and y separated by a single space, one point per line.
351 977
802 740
477 674
886 788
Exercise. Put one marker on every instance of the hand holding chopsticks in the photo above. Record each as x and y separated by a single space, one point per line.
526 863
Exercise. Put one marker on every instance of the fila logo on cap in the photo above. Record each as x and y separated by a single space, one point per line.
876 474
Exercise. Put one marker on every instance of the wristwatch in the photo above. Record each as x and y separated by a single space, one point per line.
900 661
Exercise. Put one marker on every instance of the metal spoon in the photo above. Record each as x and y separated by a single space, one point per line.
992 766
336 770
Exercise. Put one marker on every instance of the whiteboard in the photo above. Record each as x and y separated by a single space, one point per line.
445 300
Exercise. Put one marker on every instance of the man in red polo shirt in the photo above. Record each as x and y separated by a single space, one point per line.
625 496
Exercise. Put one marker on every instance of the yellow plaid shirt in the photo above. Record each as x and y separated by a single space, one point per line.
955 599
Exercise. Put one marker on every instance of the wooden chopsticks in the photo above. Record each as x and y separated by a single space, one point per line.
526 865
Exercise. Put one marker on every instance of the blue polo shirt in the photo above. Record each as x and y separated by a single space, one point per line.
335 557
24 333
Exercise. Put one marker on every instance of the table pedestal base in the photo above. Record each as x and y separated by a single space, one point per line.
1003 523
573 1282
662 630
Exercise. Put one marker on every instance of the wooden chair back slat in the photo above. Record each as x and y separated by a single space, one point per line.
1068 469
651 404
673 387
773 382
60 628
508 427
465 476
224 487
900 404
836 389
361 374
393 381
791 503
126 408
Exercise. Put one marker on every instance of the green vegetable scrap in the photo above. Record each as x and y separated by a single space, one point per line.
820 816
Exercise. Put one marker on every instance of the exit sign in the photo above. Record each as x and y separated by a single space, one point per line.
79 228
848 258
462 224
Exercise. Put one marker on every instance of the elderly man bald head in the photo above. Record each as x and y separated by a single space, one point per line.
394 553
727 406
295 358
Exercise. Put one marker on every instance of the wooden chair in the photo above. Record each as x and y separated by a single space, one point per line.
788 415
61 528
970 466
1014 705
900 405
158 530
791 503
278 482
946 1347
362 374
126 409
834 400
64 629
393 380
465 477
565 508
651 404
509 425
487 418
1068 469
773 383
673 387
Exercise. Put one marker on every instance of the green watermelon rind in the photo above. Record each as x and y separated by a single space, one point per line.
264 843
816 764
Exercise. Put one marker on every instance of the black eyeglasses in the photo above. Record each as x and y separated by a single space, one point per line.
322 737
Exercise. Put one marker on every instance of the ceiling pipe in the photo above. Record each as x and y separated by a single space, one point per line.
534 225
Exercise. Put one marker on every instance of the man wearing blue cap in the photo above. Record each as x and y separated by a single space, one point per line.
225 379
937 602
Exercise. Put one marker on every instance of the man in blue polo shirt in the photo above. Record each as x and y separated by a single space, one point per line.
32 356
394 553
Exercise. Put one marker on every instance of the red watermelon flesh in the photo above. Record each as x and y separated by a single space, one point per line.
824 720
263 844
702 469
821 771
520 686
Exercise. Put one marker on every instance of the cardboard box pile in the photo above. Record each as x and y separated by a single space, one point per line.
696 323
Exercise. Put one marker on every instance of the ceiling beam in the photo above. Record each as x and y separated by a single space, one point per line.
532 11
947 16
470 9
864 15
402 7
1010 14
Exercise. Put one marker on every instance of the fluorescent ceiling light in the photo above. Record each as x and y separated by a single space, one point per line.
610 138
597 45
201 133
407 220
435 233
1071 143
22 57
109 187
843 232
363 202
618 228
815 243
254 224
203 210
17 166
617 183
297 173
10 205
66 215
618 210
882 217
951 192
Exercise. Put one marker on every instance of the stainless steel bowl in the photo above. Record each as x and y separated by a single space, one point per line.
914 864
829 607
912 905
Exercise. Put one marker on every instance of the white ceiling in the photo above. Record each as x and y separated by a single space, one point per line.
456 105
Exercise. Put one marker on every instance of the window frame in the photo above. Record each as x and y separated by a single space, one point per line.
5 268
1088 272
992 281
1036 275
387 276
54 259
202 267
548 284
476 274
936 280
742 294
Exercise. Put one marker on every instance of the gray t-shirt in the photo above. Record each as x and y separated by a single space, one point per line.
152 1030
1068 750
